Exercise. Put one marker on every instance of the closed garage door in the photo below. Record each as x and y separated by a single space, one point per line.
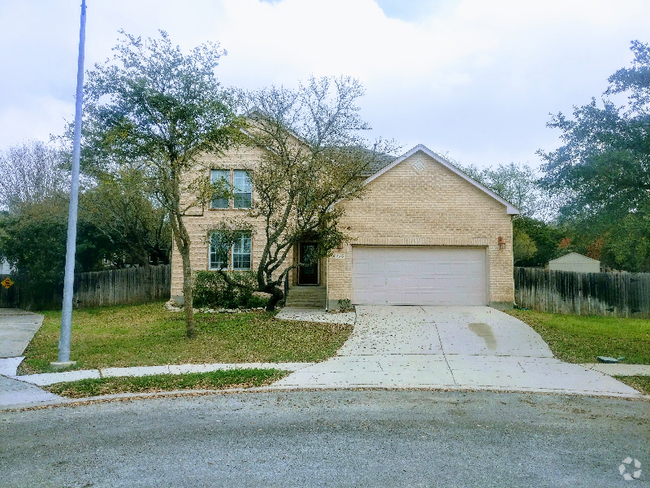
419 276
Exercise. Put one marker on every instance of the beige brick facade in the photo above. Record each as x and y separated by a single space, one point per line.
418 202
200 220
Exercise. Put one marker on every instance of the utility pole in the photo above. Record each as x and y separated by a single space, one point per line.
68 284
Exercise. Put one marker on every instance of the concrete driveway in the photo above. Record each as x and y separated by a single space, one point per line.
449 347
473 331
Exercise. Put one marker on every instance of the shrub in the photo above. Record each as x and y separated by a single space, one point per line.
211 290
345 305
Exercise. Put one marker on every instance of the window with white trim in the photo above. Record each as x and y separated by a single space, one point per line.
219 251
223 175
242 189
241 253
239 182
236 257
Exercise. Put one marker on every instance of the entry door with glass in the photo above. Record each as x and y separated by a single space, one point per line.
308 275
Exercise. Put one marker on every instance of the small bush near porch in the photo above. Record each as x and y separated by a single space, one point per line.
580 339
149 335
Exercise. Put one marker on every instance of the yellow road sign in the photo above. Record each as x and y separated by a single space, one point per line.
6 283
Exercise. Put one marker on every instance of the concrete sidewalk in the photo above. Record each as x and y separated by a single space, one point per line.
45 379
24 391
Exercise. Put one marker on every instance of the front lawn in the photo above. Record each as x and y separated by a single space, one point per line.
149 335
580 339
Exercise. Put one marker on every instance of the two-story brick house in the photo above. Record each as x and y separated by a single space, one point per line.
423 234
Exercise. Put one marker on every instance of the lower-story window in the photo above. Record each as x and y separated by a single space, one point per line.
241 254
236 257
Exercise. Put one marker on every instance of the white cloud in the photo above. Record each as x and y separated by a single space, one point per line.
477 78
38 119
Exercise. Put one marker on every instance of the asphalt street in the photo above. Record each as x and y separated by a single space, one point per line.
330 438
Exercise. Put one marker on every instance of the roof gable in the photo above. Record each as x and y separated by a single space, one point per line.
510 208
573 257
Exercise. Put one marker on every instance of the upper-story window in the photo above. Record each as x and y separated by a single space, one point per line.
239 182
215 176
242 189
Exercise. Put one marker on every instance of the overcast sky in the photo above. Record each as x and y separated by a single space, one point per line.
474 78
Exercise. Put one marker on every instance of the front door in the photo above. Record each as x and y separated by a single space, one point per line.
307 275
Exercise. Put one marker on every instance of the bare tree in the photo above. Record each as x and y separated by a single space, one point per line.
313 157
30 173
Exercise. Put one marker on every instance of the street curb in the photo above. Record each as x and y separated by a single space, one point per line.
74 402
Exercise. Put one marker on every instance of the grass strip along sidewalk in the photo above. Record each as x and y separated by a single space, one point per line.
640 383
149 335
214 380
581 339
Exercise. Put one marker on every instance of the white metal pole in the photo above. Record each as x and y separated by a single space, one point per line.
68 284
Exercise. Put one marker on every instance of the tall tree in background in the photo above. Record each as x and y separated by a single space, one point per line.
31 172
155 108
516 183
118 225
136 229
314 155
534 239
603 167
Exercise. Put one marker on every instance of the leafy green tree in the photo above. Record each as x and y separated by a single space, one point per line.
602 168
516 183
153 106
523 247
34 241
313 157
120 206
118 224
544 236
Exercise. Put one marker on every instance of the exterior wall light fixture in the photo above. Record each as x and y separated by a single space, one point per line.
502 243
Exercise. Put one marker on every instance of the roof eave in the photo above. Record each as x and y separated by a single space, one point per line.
510 208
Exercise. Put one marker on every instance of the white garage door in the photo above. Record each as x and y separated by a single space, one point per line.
419 276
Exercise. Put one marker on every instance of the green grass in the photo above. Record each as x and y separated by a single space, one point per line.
641 383
149 335
215 380
580 339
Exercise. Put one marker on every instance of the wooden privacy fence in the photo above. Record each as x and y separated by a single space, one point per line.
99 288
568 292
129 285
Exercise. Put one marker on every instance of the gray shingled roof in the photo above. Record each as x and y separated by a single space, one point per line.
379 163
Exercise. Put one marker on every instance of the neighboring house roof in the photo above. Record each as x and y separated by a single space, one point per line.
510 208
573 257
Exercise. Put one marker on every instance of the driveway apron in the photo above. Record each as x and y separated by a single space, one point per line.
17 328
449 347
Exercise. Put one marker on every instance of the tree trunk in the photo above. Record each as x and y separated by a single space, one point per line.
276 296
182 239
188 297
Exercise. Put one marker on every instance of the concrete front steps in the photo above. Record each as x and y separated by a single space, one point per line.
306 297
